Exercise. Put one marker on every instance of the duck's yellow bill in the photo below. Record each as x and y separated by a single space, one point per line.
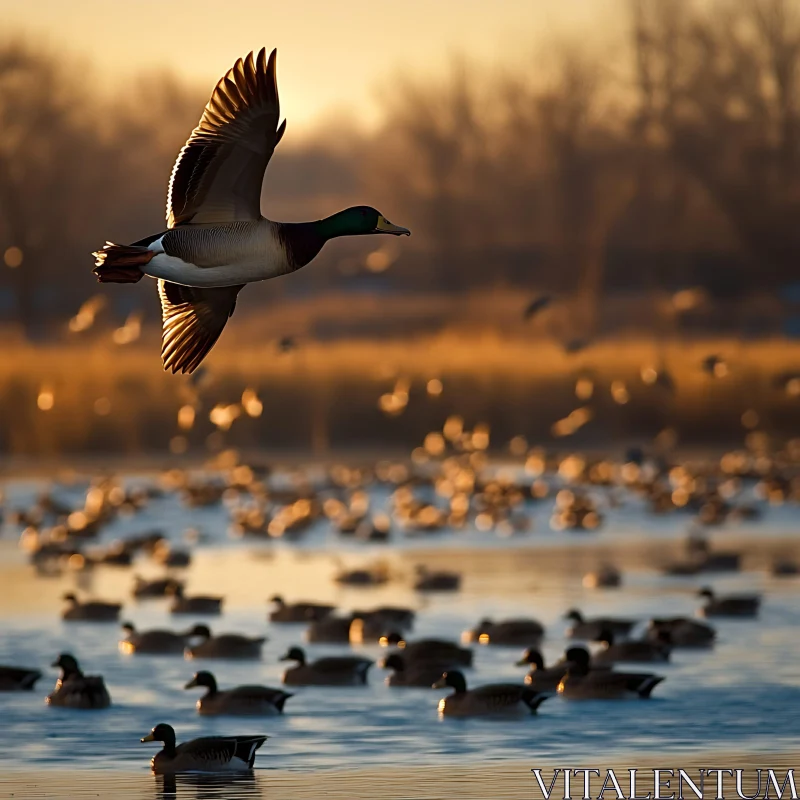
149 738
384 226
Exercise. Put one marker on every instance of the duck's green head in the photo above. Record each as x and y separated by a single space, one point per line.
198 631
531 657
202 678
578 659
294 654
67 663
452 678
359 221
161 733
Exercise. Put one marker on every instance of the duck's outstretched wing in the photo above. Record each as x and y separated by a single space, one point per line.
218 175
193 320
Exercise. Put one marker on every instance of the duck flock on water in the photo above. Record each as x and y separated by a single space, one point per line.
616 667
612 658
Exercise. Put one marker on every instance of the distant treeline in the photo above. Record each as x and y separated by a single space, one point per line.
686 171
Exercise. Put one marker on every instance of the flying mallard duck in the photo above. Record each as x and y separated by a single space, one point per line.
216 239
207 754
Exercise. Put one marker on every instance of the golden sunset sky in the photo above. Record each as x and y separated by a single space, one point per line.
333 56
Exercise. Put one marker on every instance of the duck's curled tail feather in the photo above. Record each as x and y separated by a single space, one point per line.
120 263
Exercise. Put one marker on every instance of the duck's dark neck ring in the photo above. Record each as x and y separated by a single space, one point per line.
211 687
301 241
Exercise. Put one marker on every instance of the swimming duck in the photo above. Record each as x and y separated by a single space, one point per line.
436 581
506 699
207 754
540 678
242 700
784 567
226 645
76 690
329 630
90 611
216 240
583 683
372 626
606 577
641 650
735 605
422 674
431 650
298 612
196 604
157 642
682 632
332 671
375 576
155 588
16 679
592 629
512 632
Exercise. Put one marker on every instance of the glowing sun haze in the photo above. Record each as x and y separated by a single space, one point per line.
333 56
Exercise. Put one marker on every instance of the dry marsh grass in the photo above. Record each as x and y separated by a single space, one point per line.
325 395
